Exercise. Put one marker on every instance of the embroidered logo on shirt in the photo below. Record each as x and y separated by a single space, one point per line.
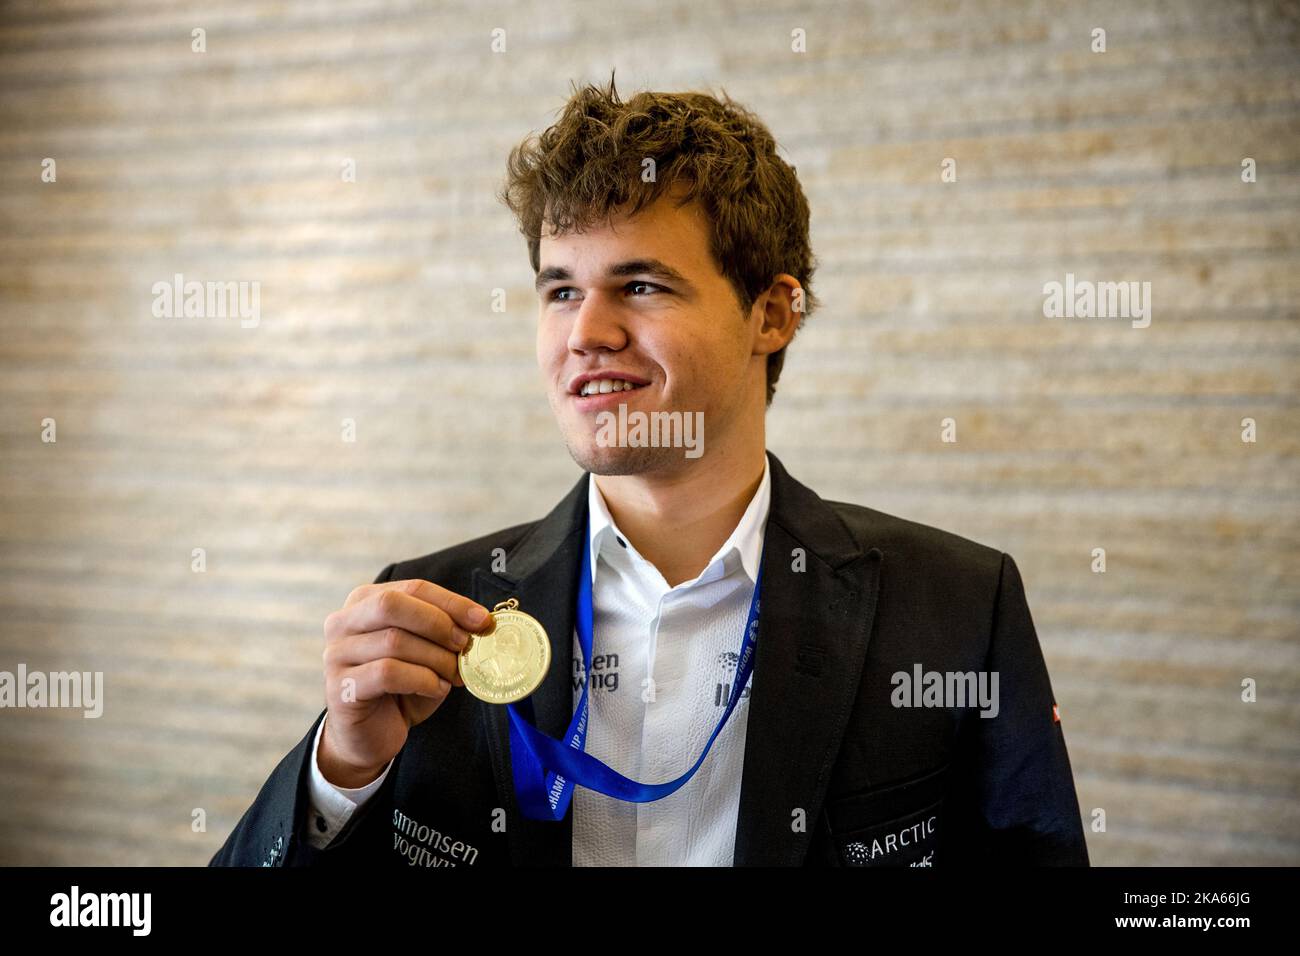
727 662
604 672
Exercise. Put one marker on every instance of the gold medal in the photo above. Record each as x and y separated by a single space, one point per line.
509 663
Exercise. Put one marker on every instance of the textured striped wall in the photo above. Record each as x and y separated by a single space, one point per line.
175 434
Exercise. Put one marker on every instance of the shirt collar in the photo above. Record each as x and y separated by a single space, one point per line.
746 539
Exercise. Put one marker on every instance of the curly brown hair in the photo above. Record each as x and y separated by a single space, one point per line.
590 164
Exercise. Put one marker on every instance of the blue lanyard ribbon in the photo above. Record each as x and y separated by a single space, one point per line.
546 769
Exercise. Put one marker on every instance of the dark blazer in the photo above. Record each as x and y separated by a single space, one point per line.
833 774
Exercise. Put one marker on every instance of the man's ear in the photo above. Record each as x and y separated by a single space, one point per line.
779 318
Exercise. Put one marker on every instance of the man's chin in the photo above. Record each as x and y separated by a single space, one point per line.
613 460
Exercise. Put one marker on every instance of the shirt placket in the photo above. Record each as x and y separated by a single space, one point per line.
664 732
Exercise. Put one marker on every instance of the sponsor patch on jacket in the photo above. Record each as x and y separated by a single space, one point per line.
423 845
908 841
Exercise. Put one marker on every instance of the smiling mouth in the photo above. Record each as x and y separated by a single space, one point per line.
599 387
596 394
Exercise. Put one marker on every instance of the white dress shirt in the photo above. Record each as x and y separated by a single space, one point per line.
662 664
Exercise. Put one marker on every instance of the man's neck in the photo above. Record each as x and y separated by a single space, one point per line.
678 523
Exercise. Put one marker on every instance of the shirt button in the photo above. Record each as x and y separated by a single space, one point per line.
621 541
320 823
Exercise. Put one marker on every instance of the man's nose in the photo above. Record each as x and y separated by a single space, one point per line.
597 324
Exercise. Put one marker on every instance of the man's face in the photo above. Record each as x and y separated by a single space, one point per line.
643 297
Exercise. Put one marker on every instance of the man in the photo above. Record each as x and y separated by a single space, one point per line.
891 705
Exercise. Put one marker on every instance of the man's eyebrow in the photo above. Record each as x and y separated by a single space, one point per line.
631 267
551 274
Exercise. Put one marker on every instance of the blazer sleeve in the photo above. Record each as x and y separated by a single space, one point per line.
1018 805
272 832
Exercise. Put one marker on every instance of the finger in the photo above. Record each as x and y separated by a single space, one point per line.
388 675
383 609
359 593
459 608
396 607
396 643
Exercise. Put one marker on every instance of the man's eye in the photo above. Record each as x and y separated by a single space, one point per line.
557 295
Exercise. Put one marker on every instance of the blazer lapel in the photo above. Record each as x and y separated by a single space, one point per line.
813 630
542 572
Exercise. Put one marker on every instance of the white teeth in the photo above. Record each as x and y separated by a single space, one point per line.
605 385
